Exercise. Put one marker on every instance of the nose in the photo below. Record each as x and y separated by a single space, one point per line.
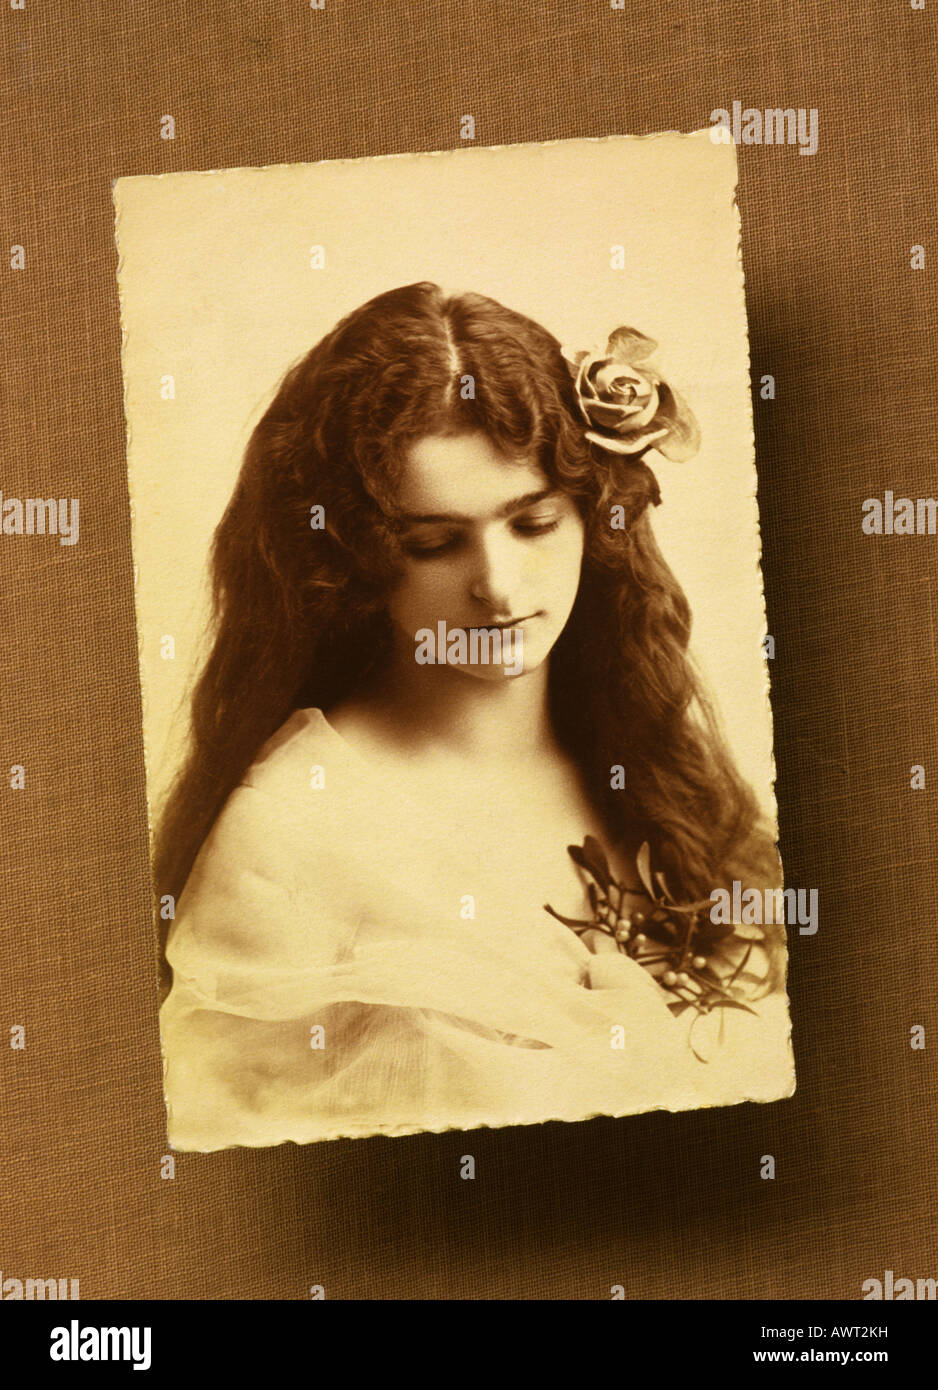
494 577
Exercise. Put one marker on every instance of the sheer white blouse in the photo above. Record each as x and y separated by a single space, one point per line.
326 985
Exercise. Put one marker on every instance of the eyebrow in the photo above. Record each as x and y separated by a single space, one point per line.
517 504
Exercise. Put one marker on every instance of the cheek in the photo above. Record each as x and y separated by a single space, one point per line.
555 567
420 593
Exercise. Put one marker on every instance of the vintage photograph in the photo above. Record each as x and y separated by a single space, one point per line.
453 654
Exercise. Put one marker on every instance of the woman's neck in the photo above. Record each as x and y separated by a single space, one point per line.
444 709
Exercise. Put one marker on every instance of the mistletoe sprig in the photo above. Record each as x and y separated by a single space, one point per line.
702 963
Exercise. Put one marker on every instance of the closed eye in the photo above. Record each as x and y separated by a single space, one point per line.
529 527
536 528
422 548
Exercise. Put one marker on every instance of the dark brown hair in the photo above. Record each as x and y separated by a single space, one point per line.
299 615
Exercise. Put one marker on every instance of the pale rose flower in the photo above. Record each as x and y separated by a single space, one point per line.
625 403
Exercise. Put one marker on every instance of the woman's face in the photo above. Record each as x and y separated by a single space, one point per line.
487 544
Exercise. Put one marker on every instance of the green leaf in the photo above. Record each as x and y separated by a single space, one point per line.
579 858
683 440
596 861
734 1004
643 864
567 921
714 931
629 345
663 885
741 964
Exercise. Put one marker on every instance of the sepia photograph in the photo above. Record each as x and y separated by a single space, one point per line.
452 642
467 814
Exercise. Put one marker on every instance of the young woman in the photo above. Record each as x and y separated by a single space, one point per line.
375 811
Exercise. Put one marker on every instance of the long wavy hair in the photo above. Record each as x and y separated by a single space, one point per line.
299 614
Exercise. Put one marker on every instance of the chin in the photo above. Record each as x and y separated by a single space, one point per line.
505 671
494 675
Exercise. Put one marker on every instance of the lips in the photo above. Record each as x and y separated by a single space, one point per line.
513 622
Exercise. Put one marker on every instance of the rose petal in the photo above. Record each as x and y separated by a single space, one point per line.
584 413
584 391
629 345
608 414
581 403
573 357
627 444
583 384
648 412
608 374
683 440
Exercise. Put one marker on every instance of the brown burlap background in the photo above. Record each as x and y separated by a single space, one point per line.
668 1206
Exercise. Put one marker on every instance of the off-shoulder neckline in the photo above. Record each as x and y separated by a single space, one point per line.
368 770
316 716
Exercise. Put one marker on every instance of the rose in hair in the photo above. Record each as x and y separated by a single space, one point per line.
626 404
